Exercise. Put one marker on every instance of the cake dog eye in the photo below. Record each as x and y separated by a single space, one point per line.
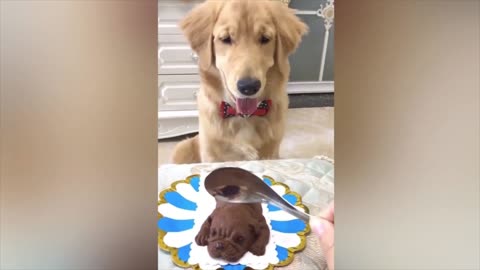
239 239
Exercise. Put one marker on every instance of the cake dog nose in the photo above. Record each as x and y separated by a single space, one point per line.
219 246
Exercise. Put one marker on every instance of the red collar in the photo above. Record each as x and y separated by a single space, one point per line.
226 110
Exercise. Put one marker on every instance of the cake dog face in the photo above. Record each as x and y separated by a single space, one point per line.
230 237
234 229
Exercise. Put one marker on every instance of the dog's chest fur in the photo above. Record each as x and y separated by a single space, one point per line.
253 130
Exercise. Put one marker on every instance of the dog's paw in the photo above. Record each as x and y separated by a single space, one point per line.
248 151
252 156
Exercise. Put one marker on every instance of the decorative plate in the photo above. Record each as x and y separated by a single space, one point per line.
184 206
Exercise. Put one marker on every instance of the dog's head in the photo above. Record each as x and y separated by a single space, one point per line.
243 40
233 233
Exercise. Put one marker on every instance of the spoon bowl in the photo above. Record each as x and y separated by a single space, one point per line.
236 185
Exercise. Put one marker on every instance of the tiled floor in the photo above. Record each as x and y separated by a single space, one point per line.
309 133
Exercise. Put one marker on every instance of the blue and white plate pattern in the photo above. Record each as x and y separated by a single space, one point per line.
184 206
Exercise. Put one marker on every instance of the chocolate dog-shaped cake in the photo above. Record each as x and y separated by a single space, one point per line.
233 229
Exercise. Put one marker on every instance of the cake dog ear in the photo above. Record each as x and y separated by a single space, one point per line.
262 237
202 237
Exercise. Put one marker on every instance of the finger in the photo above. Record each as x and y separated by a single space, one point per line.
328 213
325 232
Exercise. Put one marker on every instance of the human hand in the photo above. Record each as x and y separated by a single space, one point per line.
324 229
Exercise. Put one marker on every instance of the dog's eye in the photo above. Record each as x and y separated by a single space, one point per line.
239 239
226 40
264 39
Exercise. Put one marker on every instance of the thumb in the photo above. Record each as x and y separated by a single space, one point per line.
328 213
325 233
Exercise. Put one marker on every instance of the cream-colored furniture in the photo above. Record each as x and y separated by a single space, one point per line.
178 78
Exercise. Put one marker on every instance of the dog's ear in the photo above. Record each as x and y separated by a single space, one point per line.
197 27
290 30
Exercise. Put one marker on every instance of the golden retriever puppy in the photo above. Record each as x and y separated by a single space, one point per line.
243 48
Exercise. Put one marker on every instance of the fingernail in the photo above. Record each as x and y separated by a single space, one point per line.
319 229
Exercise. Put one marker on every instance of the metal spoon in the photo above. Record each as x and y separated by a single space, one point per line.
236 185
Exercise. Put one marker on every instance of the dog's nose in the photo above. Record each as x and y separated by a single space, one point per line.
248 86
219 246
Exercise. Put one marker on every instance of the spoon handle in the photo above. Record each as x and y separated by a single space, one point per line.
292 210
313 221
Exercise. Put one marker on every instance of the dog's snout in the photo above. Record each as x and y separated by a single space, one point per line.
248 86
219 246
